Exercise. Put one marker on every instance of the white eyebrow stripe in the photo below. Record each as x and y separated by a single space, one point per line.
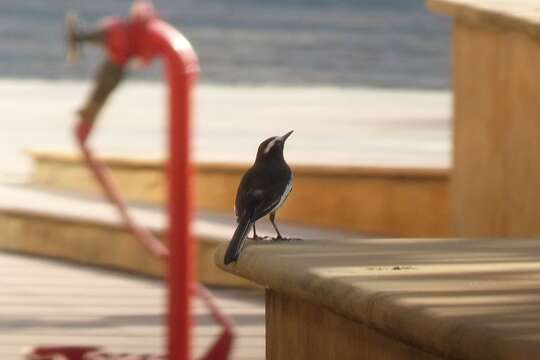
270 145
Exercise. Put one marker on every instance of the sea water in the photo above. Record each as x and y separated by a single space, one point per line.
383 43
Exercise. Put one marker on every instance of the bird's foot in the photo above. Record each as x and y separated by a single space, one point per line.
259 238
282 238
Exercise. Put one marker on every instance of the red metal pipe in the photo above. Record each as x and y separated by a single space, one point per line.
148 37
145 36
181 71
223 346
104 178
182 68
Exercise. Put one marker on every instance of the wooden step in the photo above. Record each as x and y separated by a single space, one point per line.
459 298
85 229
47 302
393 201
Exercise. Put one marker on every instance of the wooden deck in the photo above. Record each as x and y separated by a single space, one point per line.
333 126
50 302
406 299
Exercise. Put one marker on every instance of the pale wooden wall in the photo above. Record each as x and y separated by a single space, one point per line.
299 330
495 183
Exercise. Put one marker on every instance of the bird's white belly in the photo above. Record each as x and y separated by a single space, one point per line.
285 194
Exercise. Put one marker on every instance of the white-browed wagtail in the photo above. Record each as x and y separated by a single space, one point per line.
262 191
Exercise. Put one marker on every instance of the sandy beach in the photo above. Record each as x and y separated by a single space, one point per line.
333 126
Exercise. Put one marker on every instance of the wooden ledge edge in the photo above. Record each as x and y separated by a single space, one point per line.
68 157
114 223
108 224
525 19
379 310
157 163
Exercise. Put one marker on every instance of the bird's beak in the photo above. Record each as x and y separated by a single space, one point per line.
284 137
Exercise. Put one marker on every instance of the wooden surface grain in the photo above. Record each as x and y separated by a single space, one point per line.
507 15
394 201
297 329
496 170
461 298
44 302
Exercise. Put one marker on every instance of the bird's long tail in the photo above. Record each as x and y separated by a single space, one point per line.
237 242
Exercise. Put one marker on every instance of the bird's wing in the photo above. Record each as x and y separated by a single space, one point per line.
242 193
260 191
269 201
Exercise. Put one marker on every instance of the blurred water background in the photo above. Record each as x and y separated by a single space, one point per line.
382 43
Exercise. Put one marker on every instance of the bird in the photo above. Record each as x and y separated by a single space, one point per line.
262 191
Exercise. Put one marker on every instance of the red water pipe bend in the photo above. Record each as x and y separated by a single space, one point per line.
144 36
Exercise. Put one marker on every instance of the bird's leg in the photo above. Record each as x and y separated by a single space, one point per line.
255 236
272 220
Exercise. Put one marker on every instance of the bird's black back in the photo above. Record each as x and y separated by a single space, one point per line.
262 187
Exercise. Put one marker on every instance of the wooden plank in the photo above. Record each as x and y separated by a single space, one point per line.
394 201
458 298
49 302
87 230
297 329
496 147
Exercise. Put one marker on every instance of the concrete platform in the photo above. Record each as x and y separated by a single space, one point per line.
44 302
399 298
88 230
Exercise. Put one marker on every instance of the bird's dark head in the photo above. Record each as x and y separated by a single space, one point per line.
272 148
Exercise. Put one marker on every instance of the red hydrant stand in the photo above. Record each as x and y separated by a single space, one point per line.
144 36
